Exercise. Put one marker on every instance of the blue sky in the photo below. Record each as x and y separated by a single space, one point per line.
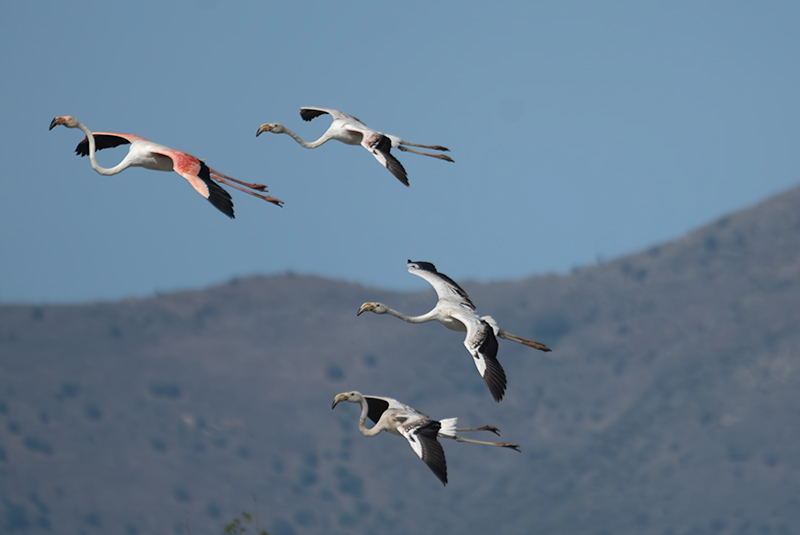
581 131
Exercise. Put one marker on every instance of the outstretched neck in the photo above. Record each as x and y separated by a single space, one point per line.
411 319
306 144
92 148
363 419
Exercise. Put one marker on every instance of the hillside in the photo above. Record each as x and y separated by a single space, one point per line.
669 406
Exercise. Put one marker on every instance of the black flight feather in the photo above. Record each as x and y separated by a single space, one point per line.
217 196
101 141
383 145
432 452
494 375
375 408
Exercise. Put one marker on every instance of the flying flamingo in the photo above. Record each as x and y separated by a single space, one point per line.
455 311
351 131
421 431
144 153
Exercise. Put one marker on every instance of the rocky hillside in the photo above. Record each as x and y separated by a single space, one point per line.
670 404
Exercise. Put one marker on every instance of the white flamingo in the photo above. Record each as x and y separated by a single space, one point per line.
455 311
351 131
399 419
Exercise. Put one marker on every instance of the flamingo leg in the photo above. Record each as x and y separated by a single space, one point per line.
524 341
440 156
267 198
434 147
259 187
500 444
493 429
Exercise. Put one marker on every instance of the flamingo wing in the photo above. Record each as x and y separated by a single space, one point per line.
312 112
199 176
376 406
445 286
481 343
380 145
421 435
105 140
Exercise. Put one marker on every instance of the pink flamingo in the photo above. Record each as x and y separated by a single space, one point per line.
144 153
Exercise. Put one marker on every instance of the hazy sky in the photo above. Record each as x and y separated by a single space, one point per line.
580 130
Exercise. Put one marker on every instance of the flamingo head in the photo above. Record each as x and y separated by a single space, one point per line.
67 120
275 128
352 397
377 308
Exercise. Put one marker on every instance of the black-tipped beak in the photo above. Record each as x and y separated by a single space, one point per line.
53 123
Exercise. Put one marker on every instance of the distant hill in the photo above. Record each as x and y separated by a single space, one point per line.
670 404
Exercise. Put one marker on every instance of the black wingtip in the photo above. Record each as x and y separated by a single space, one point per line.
382 145
101 141
425 266
494 375
432 452
397 169
221 200
307 114
217 196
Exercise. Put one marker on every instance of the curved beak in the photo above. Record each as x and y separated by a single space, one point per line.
267 127
366 307
54 122
337 399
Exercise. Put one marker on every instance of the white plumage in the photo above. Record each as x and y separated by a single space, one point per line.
455 311
418 429
351 131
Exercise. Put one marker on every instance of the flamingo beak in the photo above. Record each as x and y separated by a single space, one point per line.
337 399
366 307
266 127
55 122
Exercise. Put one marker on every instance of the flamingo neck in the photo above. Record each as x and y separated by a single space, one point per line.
306 144
363 419
411 319
92 147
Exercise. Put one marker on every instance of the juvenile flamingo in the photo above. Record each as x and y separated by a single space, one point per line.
421 432
455 311
351 131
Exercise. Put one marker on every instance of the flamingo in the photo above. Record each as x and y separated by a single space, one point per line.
144 153
351 131
455 311
399 419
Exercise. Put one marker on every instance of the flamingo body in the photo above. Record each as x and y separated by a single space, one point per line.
150 155
455 310
350 131
419 430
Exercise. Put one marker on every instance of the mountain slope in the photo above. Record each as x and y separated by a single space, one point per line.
669 404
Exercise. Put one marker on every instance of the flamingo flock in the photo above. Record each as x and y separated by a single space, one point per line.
454 309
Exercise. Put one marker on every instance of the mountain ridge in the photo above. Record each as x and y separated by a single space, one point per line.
668 405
